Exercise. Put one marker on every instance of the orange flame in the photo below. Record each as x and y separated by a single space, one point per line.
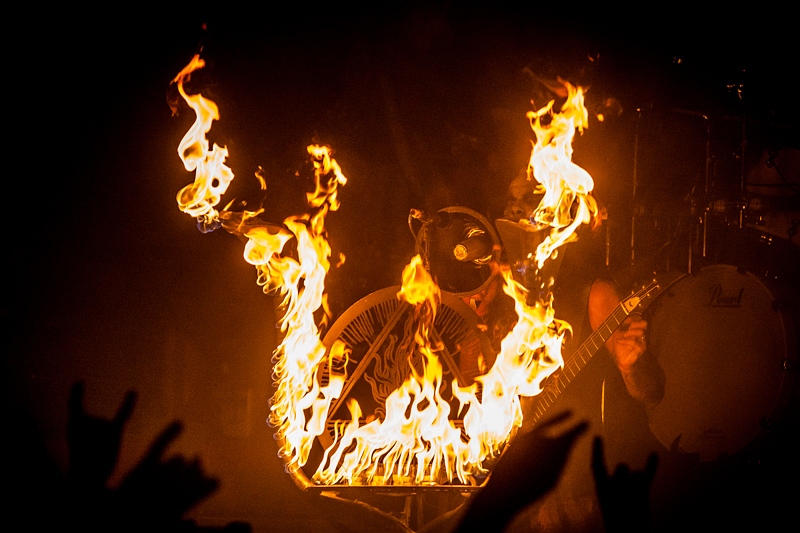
212 175
416 442
566 186
300 281
532 350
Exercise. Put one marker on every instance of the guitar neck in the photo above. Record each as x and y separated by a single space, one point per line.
575 363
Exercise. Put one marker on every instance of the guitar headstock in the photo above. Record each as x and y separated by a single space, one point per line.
648 292
642 298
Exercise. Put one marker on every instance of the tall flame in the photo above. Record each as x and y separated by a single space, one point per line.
299 282
212 176
416 441
566 186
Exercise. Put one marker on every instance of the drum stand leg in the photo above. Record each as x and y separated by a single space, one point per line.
635 180
702 219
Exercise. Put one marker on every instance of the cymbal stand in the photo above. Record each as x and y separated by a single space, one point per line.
707 177
742 177
705 205
635 180
739 89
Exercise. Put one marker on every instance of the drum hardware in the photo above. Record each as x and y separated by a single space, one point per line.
710 201
754 232
727 200
635 183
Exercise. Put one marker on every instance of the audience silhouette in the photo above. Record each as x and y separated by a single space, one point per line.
155 495
531 466
528 468
624 496
158 493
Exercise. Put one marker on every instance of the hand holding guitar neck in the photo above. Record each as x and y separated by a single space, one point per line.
629 343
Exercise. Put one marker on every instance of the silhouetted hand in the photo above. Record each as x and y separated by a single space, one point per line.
529 468
94 443
160 492
156 493
624 497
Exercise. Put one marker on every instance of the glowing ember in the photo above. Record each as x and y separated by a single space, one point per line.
416 442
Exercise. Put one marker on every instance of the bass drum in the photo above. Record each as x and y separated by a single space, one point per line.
728 351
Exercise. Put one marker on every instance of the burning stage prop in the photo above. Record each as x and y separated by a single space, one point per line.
426 423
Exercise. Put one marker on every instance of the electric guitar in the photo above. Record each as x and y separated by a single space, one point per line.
556 383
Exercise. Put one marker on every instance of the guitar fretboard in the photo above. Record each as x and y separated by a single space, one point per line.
556 383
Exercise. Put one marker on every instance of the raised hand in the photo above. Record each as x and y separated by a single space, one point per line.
624 497
158 492
528 469
94 443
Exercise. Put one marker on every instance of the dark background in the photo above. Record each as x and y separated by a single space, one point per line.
106 281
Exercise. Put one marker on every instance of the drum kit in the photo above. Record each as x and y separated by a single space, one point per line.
726 332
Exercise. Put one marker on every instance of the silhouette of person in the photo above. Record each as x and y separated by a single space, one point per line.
155 495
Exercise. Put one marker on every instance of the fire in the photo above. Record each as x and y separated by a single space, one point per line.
301 281
299 405
566 186
417 441
212 176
